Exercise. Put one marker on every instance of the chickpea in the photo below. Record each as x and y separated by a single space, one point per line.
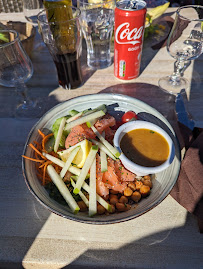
132 186
120 207
144 190
147 182
82 206
128 192
123 199
127 207
113 199
113 209
136 196
147 177
123 207
100 209
138 185
113 192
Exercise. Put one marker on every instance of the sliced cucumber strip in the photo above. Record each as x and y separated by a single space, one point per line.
84 119
100 200
89 111
58 181
74 117
54 159
66 151
59 134
69 161
55 129
76 171
103 156
92 192
102 147
82 196
85 169
102 107
91 123
112 149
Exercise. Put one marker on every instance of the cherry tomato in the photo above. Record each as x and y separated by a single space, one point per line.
128 116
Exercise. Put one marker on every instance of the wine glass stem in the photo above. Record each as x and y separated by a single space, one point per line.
21 90
178 67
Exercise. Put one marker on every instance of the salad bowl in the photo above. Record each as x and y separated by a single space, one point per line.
117 105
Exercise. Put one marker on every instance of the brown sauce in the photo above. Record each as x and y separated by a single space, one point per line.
145 147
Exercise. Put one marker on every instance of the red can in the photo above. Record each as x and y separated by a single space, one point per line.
128 38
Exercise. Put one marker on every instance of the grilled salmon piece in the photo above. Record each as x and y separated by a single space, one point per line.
122 173
77 134
111 179
102 189
105 122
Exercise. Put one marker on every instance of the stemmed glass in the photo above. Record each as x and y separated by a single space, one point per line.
15 70
184 44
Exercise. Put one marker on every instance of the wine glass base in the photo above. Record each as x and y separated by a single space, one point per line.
28 110
170 85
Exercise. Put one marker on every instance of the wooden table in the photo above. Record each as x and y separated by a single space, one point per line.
32 237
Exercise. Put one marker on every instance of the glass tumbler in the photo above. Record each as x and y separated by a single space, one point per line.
97 21
61 32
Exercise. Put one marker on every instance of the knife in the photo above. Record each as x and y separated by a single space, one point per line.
182 113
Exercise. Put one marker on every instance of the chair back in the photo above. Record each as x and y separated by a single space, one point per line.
8 6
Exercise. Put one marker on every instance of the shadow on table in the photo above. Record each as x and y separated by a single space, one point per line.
154 251
196 90
150 94
153 42
20 213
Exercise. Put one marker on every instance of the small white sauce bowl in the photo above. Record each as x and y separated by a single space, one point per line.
133 167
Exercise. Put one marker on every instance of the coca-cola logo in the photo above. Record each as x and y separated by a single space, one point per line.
124 35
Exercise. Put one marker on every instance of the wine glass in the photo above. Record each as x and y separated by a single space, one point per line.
15 70
184 44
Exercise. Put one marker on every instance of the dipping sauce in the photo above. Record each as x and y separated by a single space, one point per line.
145 147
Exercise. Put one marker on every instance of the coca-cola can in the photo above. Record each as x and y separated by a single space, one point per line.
128 39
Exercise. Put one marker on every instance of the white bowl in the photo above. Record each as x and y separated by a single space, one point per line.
133 167
116 103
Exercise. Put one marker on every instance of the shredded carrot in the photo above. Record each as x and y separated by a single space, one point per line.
37 143
35 149
44 163
44 172
41 133
32 159
41 162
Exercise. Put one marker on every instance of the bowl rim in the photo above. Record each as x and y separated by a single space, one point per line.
138 124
